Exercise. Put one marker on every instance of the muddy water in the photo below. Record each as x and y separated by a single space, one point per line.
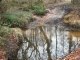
48 43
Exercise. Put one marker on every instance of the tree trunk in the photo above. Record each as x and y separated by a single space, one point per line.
0 0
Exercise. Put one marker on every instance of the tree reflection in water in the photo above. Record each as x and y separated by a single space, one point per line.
47 43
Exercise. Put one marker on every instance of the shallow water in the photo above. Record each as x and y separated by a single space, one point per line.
48 43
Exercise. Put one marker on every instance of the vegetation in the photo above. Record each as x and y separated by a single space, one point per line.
76 4
39 9
9 19
4 34
18 13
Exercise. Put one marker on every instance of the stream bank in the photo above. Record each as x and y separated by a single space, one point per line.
10 46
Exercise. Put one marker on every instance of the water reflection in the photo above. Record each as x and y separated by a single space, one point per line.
48 43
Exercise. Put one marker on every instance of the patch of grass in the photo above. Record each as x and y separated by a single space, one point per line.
16 18
9 20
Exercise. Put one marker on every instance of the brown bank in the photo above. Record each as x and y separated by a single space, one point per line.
9 48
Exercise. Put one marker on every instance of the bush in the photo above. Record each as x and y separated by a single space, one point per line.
16 19
9 20
39 9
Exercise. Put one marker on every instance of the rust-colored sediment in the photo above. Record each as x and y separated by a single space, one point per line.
2 55
75 55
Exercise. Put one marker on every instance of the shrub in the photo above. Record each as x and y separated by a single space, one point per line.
15 19
39 9
9 20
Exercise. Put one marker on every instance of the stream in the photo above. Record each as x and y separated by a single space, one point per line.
50 41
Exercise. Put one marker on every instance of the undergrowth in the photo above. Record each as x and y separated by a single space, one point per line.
15 19
39 9
4 34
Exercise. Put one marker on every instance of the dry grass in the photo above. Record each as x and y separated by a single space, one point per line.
72 19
